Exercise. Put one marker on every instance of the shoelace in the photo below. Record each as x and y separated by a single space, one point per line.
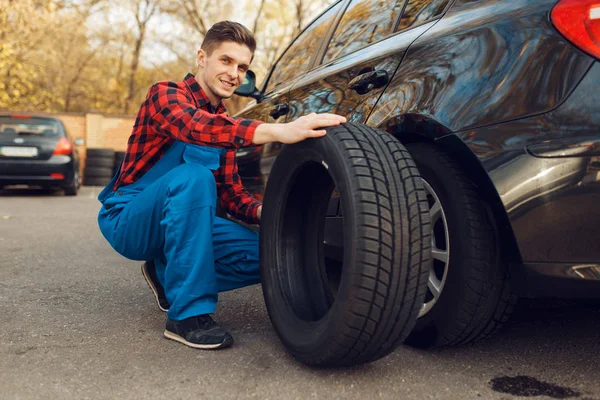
205 322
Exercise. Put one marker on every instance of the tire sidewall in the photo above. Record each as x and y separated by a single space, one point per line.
307 339
446 312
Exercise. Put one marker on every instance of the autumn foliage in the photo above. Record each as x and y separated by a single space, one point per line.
103 55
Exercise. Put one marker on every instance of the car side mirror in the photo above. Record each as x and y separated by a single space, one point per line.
248 87
79 142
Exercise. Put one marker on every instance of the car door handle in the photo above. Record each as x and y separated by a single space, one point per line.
368 81
279 110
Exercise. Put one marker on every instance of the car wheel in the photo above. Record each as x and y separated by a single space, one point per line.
371 306
71 190
468 294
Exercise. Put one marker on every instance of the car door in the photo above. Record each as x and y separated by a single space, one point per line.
274 106
361 57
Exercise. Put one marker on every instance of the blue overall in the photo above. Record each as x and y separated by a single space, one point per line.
168 215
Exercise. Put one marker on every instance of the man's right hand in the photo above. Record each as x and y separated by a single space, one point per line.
296 131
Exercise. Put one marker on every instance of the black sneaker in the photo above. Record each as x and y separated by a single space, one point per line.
149 272
200 332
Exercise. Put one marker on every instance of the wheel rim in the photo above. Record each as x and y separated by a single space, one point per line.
440 250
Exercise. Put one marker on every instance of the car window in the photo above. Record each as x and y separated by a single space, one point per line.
363 23
29 126
419 11
296 59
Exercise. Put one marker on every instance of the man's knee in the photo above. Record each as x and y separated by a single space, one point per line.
194 180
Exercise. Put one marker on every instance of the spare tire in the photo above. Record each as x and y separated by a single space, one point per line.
386 246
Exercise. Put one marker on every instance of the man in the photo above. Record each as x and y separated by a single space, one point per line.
180 157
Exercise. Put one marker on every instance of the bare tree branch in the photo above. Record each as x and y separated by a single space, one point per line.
299 17
260 8
143 13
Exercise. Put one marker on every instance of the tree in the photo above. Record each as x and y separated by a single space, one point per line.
143 11
24 26
83 55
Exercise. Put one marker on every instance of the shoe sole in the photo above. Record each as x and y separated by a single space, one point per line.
173 336
153 288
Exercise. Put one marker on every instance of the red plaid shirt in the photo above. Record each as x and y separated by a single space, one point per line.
181 111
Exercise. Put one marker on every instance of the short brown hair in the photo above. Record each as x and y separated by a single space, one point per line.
228 31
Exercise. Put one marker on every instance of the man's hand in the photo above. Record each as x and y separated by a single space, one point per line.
296 131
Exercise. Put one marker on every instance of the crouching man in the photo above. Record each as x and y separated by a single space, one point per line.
160 206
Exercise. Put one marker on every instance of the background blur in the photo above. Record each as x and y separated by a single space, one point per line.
101 56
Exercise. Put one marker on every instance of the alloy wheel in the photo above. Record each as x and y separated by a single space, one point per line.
440 251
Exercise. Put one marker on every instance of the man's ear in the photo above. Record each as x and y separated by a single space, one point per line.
201 58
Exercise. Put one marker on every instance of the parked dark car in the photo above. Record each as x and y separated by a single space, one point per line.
37 151
498 103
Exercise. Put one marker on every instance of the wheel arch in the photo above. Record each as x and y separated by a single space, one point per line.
418 128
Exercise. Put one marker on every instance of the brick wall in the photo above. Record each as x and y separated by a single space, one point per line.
116 131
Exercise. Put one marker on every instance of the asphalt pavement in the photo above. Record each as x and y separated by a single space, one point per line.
79 322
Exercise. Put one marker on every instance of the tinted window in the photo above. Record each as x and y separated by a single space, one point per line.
29 126
364 22
296 59
419 11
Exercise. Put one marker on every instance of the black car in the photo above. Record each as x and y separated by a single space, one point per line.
498 103
37 151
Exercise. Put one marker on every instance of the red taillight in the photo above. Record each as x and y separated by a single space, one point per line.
63 147
56 175
20 116
579 21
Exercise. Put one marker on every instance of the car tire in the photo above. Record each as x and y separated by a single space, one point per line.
98 172
71 189
119 155
100 153
386 246
99 163
97 181
474 287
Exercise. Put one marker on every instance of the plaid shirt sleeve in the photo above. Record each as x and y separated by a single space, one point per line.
234 198
174 115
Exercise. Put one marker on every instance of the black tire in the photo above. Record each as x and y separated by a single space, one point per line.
94 162
476 297
98 172
100 153
386 246
119 155
97 181
71 189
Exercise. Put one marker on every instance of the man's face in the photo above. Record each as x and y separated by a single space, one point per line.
224 70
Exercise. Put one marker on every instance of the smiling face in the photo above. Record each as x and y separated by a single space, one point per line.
222 71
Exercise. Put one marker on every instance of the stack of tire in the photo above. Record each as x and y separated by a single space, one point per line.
99 167
119 155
